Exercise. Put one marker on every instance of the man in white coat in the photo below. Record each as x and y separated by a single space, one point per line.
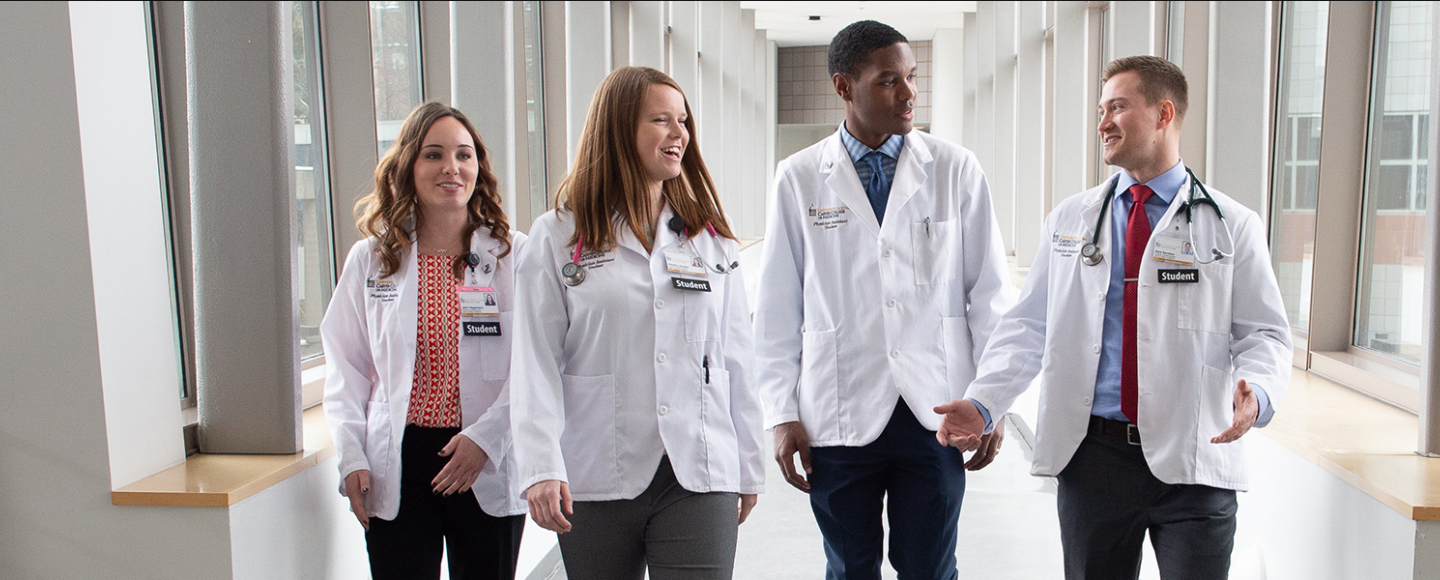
882 277
1157 347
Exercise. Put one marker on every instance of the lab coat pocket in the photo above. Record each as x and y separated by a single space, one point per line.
1205 305
702 311
959 354
934 260
588 442
820 386
495 350
377 444
721 447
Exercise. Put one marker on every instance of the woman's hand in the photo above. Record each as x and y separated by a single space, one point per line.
466 461
747 503
357 486
547 500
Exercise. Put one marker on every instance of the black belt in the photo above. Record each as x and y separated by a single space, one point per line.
1102 426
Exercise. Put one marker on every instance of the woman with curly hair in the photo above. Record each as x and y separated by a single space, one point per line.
418 359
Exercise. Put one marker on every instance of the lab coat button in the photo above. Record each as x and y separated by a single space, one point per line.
1085 401
890 303
1094 347
659 303
664 409
894 354
660 357
885 253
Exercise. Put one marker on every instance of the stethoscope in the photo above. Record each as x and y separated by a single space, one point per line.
1090 253
572 273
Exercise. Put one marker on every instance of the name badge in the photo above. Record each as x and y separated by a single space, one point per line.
1174 251
383 290
691 285
1179 276
481 328
478 301
679 260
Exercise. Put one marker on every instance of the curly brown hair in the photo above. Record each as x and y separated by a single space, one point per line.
387 210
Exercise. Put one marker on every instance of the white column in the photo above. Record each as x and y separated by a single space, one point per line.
242 160
484 82
1029 129
730 123
1071 149
1133 25
350 95
1239 139
947 84
1001 169
772 121
554 68
587 61
647 33
970 80
1196 66
710 113
684 46
984 144
620 33
435 53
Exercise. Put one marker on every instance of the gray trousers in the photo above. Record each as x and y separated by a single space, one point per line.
1108 500
679 534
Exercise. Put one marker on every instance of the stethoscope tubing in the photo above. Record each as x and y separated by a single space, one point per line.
1091 255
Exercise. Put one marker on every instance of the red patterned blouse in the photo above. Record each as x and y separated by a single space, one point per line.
435 395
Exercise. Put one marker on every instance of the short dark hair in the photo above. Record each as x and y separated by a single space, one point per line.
1160 79
852 46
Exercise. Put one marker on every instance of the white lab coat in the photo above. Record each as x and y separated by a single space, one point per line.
1196 341
852 315
369 334
609 375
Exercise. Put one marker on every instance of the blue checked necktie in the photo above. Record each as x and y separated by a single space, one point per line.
878 188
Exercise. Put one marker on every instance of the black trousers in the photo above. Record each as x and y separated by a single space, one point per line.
1108 500
478 546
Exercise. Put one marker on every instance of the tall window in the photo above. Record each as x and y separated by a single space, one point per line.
395 54
313 257
1297 153
1392 265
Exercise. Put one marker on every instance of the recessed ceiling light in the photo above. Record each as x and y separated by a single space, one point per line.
814 18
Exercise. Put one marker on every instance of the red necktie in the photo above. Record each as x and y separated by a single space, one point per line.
1137 235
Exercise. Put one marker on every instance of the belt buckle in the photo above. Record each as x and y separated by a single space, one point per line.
1132 434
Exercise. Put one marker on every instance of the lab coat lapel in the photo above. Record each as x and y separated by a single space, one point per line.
409 310
841 178
912 170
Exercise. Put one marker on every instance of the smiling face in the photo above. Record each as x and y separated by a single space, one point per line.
880 99
661 137
446 167
1135 133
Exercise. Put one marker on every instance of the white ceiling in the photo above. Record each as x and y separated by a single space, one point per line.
788 23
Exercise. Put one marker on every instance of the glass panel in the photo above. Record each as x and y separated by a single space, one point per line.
395 54
1297 153
1392 264
535 110
313 256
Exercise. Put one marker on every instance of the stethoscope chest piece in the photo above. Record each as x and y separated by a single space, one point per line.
1091 254
572 274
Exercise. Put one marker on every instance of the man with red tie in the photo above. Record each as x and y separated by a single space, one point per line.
1160 339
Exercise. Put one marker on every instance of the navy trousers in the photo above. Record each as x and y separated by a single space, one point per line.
923 483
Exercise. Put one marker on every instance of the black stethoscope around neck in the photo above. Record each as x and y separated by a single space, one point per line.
572 273
1091 255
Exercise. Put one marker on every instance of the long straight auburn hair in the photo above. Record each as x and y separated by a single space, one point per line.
606 186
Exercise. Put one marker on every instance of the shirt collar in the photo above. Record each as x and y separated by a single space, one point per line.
1166 185
857 150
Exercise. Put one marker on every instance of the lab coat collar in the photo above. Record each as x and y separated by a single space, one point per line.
912 170
842 179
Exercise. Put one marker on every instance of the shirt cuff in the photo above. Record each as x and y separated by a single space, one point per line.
989 425
1266 411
